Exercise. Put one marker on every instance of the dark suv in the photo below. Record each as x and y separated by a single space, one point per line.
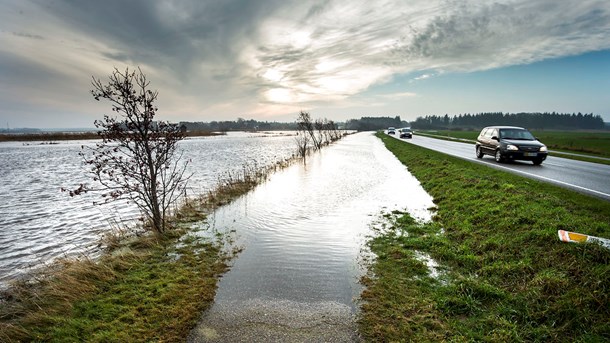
510 143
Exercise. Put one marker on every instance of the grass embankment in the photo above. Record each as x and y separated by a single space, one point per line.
144 289
505 276
153 291
595 143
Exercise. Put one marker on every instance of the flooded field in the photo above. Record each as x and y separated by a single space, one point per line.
302 234
39 223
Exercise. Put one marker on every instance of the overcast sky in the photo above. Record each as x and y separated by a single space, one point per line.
269 59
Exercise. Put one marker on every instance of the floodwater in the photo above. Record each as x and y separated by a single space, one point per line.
38 222
303 232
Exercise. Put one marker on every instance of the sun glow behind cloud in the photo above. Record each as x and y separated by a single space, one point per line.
318 65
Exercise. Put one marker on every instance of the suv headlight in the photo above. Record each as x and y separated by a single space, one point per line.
543 148
511 147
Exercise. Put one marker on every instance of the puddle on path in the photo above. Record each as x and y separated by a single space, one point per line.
302 232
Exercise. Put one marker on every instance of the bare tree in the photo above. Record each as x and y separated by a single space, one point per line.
137 157
302 141
318 124
318 133
306 125
333 131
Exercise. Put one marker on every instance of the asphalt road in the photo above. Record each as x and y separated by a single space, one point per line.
584 177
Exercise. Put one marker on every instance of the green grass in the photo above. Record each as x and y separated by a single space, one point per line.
595 143
157 300
592 143
150 289
505 275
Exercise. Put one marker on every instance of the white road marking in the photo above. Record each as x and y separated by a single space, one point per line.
552 164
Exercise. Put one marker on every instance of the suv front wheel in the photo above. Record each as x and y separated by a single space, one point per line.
499 157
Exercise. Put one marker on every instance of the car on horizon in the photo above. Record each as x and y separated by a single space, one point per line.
406 133
510 143
391 130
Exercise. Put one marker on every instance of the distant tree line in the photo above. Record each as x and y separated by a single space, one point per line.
375 123
537 121
237 125
362 124
20 130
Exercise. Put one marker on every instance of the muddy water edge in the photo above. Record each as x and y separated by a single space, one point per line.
302 233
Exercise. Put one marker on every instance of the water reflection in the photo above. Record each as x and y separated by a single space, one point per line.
304 228
38 222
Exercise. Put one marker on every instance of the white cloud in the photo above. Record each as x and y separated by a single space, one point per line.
398 96
423 77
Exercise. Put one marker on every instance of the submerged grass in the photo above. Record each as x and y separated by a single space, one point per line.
145 288
505 275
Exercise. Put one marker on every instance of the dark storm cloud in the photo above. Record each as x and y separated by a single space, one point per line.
27 35
489 36
177 34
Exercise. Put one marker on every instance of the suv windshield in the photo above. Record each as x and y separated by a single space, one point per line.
516 134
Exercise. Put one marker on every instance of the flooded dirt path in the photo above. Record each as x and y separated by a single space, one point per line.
302 233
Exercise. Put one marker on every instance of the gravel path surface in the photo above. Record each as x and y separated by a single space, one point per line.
260 320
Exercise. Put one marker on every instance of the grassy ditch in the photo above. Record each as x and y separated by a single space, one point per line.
145 288
503 274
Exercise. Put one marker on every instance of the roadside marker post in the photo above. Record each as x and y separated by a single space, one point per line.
574 237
